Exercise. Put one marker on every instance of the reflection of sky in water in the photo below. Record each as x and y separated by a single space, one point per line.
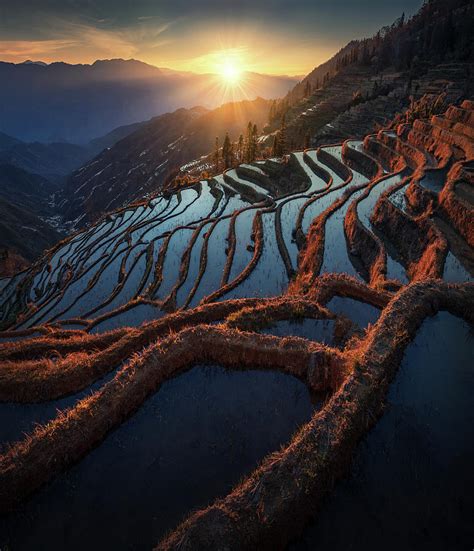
191 442
412 479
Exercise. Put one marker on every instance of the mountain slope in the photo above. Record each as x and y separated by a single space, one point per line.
146 159
369 80
96 145
25 189
7 141
23 236
28 218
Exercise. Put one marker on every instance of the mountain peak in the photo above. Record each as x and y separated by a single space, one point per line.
30 62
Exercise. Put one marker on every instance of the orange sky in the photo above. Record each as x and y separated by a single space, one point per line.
270 36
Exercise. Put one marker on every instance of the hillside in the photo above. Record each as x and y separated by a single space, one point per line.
145 160
23 236
28 218
76 103
26 189
362 87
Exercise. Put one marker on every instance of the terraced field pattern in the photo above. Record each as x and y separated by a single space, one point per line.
197 370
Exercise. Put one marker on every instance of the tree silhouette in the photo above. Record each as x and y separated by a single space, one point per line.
216 154
240 148
227 152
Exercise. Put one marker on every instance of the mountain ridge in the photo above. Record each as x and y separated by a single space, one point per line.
61 102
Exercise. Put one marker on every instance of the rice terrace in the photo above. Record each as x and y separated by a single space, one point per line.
247 324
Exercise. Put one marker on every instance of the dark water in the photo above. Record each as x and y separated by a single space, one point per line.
133 317
412 482
433 180
16 420
357 311
312 329
190 443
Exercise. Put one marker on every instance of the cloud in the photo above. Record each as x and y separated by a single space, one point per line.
83 41
107 43
19 50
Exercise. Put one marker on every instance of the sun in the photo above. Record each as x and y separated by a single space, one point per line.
231 71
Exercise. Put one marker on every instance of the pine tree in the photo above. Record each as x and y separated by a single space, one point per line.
254 142
273 111
248 143
226 152
365 54
282 136
216 154
240 148
251 143
307 140
276 147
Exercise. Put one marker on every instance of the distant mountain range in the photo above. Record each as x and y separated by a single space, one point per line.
60 102
58 159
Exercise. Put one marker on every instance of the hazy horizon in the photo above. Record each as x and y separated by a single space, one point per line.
162 67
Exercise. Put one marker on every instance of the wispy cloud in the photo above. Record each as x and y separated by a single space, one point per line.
107 43
18 50
76 40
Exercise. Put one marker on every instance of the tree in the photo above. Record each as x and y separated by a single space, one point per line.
365 54
307 140
307 89
216 154
251 143
248 143
272 115
276 150
227 152
254 142
282 137
240 149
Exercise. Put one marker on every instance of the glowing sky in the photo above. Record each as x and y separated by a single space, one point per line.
273 36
